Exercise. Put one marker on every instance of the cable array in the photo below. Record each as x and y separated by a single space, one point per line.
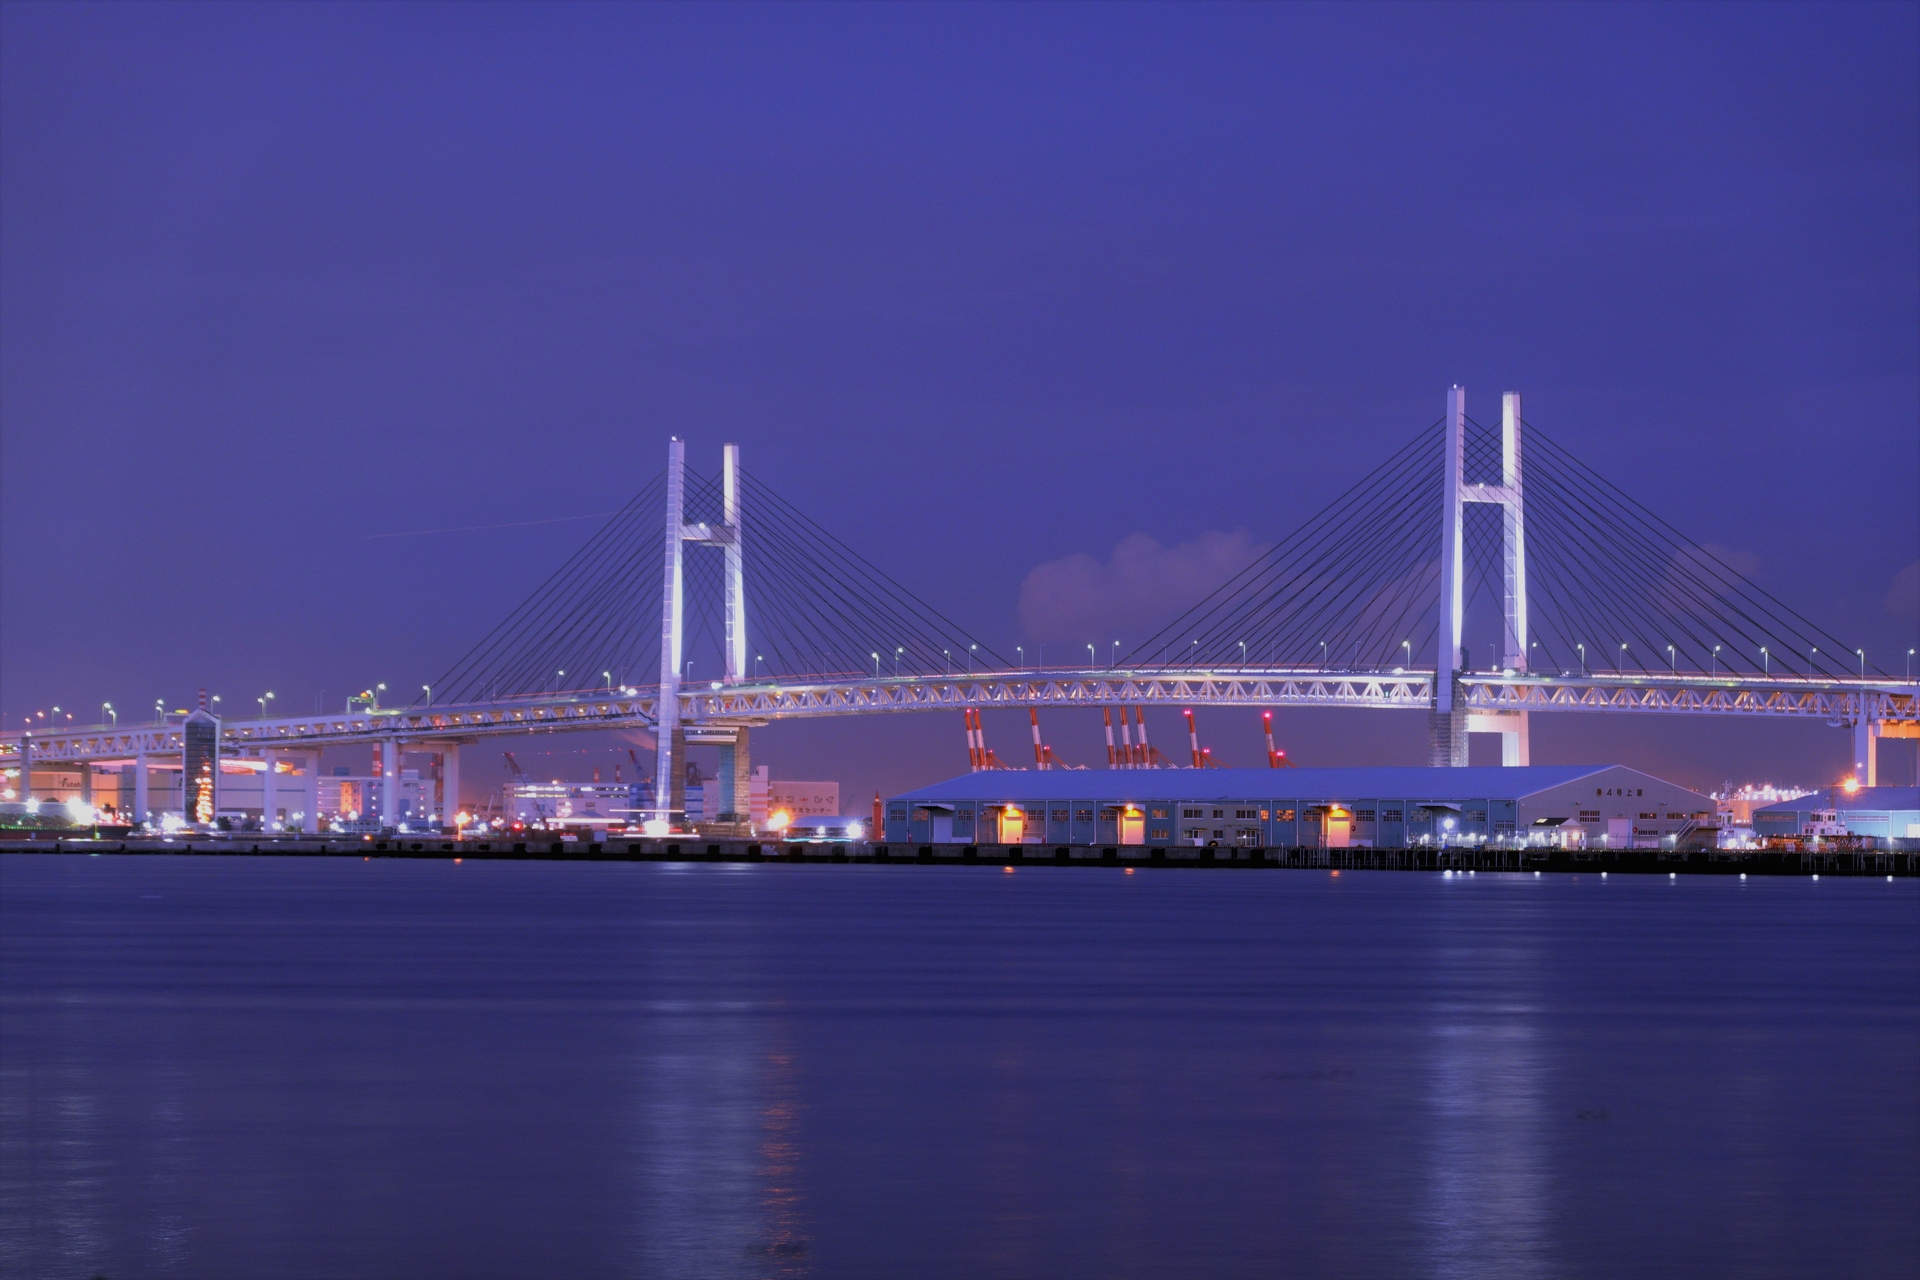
1612 585
815 607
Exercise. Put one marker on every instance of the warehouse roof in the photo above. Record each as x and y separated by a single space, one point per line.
1877 799
1243 784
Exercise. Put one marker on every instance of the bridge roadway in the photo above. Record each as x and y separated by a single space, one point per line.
1892 707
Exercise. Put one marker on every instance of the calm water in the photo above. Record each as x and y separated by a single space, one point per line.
256 1066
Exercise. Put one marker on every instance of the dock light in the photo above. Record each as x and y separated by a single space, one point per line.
1851 786
855 831
654 827
79 810
780 820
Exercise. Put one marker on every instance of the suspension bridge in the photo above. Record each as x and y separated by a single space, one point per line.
1577 598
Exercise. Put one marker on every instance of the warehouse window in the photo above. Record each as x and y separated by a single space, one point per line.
1160 833
1363 815
1283 815
1645 817
1243 814
1390 815
1219 813
1083 815
1062 815
1193 813
1157 813
1589 815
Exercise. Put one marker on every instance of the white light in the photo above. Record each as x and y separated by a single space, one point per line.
172 822
715 685
655 826
854 831
33 806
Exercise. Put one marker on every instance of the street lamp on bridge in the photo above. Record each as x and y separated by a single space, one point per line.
1766 668
115 715
428 690
1673 662
263 703
1714 668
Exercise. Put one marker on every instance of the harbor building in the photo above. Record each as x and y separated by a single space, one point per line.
1563 806
1877 817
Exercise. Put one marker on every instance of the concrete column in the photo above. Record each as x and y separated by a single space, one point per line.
742 778
86 782
676 792
1866 751
1447 737
723 786
450 786
310 795
142 806
1515 747
269 792
23 789
736 592
390 784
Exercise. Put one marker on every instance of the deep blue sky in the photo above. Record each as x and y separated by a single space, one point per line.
983 287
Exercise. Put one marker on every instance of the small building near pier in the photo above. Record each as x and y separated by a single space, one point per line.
1875 817
1565 806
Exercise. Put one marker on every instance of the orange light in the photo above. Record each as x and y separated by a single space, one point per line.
456 862
1007 870
1850 786
1129 870
1336 873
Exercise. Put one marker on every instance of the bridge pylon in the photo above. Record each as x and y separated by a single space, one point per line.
1449 723
670 776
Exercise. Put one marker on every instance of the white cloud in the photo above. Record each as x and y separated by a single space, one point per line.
1134 592
1903 597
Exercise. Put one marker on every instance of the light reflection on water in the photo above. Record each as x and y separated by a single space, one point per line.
217 1067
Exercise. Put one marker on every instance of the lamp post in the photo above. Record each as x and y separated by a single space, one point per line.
1620 663
1020 655
428 690
112 714
1766 669
1715 661
757 660
263 703
1673 663
1862 655
898 651
1243 653
1323 655
1113 658
1810 654
608 676
1583 658
1910 654
970 649
875 655
1406 654
1090 656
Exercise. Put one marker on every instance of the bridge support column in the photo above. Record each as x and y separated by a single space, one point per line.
269 792
390 783
674 757
310 795
1447 737
449 797
1866 751
23 786
142 808
735 780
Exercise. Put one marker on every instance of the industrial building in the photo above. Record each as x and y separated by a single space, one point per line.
1566 806
1879 817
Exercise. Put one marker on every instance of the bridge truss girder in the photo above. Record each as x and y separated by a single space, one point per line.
1487 694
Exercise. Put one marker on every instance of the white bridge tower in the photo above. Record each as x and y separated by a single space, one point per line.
1450 722
670 779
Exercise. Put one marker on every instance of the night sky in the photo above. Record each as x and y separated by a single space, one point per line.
984 289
